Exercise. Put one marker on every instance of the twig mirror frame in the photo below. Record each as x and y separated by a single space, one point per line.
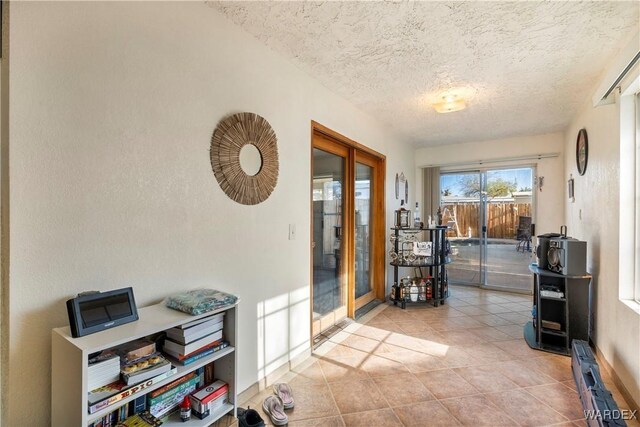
233 133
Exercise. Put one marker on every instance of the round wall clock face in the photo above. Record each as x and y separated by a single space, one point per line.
582 151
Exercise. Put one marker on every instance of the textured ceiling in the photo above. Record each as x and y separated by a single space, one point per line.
523 67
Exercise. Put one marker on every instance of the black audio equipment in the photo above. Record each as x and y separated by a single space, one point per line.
543 247
567 256
95 311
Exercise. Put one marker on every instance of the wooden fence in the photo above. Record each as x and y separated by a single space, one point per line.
502 220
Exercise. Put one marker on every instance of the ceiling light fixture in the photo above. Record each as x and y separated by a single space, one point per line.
449 104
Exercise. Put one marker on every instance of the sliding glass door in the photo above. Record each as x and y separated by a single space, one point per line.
490 215
462 210
508 223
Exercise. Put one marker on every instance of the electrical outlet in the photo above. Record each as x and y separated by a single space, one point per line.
292 232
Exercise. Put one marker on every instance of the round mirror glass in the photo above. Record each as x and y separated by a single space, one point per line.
250 159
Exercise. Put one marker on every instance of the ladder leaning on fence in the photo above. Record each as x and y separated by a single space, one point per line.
449 219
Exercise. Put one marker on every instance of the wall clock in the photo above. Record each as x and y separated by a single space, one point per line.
582 151
248 187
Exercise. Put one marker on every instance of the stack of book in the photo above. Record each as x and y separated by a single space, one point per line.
110 394
104 368
191 341
139 404
165 400
209 399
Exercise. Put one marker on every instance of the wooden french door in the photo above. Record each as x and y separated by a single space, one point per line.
329 204
365 219
347 227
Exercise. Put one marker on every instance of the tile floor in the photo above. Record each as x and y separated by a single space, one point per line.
464 363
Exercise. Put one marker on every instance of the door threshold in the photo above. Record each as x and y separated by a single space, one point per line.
367 308
324 336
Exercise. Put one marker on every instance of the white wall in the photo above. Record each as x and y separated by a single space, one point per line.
549 201
594 217
112 107
402 164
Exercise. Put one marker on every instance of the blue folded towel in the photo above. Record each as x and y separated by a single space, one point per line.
200 301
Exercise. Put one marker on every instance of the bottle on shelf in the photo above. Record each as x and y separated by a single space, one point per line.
395 292
403 217
422 295
400 291
416 217
413 291
429 289
185 409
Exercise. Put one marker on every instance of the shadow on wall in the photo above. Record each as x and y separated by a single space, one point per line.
283 329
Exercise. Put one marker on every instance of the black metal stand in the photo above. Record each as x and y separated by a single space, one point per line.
434 264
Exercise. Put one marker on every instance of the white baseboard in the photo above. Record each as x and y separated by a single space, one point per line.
633 405
285 368
272 377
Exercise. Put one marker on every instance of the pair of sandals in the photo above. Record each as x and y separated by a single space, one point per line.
275 405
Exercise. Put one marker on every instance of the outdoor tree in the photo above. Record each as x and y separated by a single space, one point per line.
446 192
525 189
497 187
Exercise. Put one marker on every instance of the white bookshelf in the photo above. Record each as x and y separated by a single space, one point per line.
69 363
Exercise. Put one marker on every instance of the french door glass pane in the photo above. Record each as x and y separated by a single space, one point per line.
328 281
363 192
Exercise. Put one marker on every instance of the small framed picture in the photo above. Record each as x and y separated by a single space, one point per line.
570 188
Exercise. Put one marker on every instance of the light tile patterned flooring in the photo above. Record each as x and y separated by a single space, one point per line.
464 363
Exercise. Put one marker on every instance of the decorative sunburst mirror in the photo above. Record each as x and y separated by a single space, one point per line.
244 158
